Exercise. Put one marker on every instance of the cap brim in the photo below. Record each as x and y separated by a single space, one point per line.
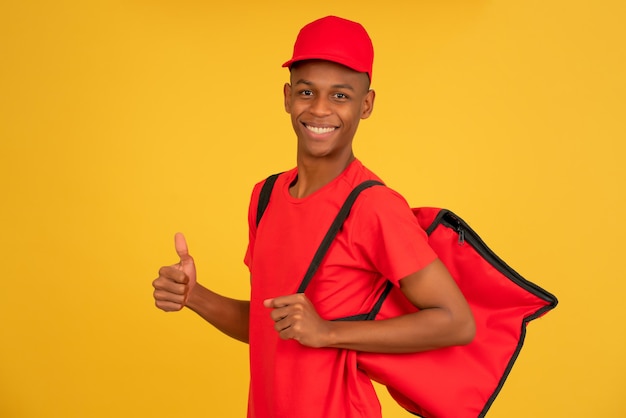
336 60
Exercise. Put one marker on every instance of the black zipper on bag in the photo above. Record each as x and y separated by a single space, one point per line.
468 235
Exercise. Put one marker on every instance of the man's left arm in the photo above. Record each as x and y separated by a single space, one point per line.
444 319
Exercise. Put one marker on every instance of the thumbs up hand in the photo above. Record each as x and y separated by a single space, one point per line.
175 282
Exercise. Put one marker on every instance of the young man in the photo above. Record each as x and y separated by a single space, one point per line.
302 363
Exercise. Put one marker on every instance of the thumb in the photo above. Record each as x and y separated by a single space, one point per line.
181 249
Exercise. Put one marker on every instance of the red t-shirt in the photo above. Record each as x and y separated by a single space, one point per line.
380 240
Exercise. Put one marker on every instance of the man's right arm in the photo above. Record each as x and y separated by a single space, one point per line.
231 316
176 287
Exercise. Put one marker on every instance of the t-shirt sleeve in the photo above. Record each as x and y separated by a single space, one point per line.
388 235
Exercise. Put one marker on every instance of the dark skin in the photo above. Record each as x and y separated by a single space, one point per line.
326 102
325 115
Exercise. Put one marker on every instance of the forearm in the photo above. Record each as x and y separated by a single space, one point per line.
444 318
424 330
228 315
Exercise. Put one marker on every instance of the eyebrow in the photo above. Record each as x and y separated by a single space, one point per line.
334 86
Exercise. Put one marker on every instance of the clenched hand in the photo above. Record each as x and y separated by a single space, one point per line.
175 282
295 318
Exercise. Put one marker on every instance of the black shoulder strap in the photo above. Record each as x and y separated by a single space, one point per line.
264 197
332 232
335 227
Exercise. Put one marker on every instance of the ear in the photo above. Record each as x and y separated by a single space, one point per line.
287 94
368 104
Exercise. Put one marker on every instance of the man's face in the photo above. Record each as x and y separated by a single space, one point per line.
326 101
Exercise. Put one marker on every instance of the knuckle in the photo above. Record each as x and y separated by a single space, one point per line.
159 282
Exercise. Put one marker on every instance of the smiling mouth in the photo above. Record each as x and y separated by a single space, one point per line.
320 130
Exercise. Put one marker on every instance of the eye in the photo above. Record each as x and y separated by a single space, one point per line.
306 93
340 96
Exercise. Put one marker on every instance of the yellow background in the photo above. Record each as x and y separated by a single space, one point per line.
122 122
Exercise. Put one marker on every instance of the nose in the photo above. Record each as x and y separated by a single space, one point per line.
320 106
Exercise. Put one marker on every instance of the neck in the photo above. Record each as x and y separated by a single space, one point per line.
315 173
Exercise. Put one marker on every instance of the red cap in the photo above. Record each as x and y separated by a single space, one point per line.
337 40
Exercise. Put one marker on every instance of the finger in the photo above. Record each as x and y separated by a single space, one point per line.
168 306
279 314
165 296
287 333
276 303
282 326
174 274
281 301
168 285
167 300
181 249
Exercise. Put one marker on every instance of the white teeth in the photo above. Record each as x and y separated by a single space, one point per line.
319 130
